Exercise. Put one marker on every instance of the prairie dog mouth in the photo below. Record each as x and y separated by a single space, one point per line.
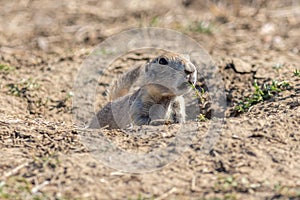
191 78
185 87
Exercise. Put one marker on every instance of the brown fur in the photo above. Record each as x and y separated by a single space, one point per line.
161 84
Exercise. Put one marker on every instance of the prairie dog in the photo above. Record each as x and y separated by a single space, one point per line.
159 98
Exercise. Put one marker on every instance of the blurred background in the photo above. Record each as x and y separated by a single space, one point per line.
59 25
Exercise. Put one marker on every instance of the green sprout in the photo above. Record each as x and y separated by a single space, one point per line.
201 118
19 89
261 94
297 72
197 93
277 66
6 68
154 21
202 27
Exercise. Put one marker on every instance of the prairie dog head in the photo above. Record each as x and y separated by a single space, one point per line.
174 71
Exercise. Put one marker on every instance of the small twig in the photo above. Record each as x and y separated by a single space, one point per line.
165 195
236 7
267 137
47 136
14 171
8 122
38 187
3 123
261 4
193 184
117 173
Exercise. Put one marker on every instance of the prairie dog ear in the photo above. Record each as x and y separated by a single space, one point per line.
186 56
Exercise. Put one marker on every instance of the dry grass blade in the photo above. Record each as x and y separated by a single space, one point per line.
14 171
165 195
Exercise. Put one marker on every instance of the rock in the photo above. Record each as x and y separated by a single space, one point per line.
241 66
43 43
265 72
268 29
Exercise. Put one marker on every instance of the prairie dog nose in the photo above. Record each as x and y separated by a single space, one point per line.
190 71
189 68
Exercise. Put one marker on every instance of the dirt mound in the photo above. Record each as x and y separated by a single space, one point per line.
255 46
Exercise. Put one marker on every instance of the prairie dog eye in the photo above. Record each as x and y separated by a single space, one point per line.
163 61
